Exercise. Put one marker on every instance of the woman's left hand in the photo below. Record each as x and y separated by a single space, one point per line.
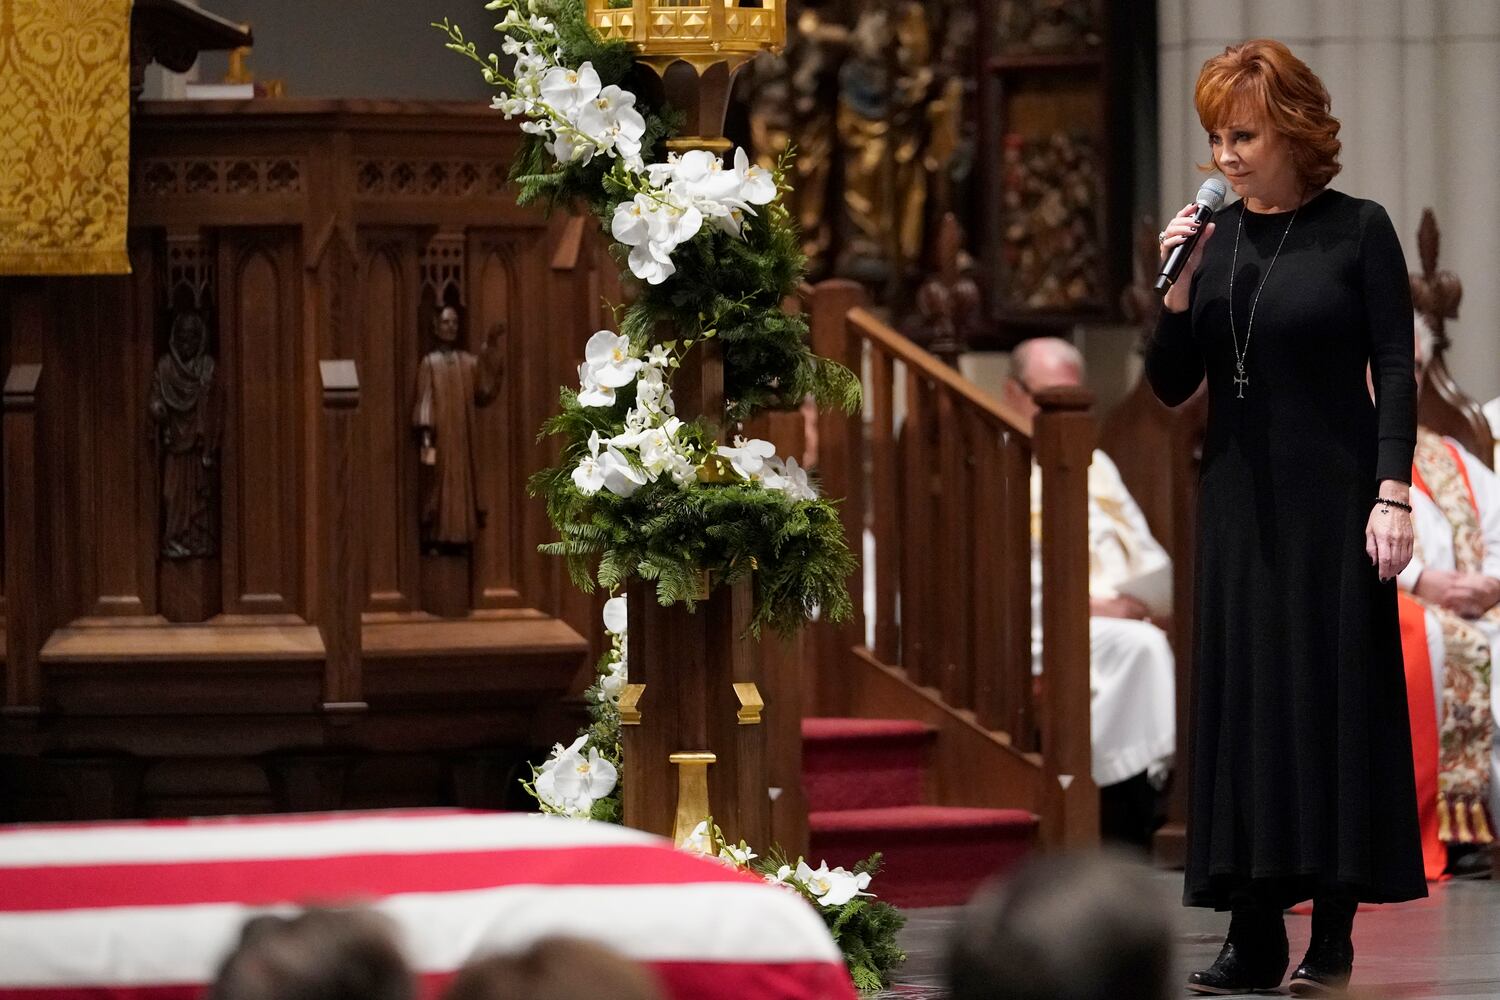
1388 540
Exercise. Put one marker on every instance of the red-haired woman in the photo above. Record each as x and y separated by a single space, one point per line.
1301 771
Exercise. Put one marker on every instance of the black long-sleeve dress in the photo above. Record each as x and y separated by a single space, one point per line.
1300 760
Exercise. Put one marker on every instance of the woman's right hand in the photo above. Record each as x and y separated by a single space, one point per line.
1176 299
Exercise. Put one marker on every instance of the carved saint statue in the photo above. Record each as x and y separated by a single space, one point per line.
451 384
184 406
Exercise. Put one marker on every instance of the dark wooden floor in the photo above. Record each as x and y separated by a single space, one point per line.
1442 948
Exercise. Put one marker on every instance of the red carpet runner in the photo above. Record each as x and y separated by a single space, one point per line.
864 780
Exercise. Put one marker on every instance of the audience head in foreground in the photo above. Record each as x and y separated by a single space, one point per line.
555 969
315 955
1085 927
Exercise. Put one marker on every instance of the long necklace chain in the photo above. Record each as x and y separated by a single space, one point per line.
1241 380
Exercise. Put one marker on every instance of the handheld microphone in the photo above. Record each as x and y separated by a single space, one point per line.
1210 199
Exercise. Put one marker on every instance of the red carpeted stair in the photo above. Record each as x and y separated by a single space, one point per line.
864 781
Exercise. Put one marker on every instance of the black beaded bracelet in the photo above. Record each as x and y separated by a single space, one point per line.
1394 503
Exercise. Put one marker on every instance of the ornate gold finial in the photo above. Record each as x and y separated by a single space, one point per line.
692 792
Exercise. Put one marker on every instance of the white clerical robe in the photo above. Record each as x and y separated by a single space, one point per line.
1434 550
1132 679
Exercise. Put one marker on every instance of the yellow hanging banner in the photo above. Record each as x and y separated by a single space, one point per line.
64 136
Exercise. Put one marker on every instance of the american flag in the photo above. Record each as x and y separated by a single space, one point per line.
147 910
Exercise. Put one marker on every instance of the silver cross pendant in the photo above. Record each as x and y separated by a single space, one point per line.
1241 379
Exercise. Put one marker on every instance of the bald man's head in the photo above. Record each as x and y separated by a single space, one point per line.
1045 362
1037 364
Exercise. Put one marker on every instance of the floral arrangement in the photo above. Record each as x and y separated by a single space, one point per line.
641 492
712 254
863 927
582 781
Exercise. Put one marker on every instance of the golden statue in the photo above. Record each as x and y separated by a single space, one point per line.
792 99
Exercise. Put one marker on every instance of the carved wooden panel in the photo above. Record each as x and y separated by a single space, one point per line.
388 356
260 320
262 175
417 178
500 266
119 462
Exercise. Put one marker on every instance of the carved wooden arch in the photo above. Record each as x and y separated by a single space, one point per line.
1443 406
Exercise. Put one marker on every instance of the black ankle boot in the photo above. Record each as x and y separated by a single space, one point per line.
1254 956
1326 967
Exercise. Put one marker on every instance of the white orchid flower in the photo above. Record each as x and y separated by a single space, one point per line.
568 90
592 392
683 470
647 264
620 477
833 887
611 686
614 616
580 781
700 841
757 185
609 359
566 148
789 477
612 120
589 476
738 855
659 451
748 457
800 488
731 221
546 777
631 224
659 356
673 224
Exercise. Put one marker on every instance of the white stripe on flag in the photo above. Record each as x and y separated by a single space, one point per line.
701 922
221 841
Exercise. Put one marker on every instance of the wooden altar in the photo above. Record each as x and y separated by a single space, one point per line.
298 663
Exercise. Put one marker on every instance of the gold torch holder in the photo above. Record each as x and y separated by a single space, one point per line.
694 49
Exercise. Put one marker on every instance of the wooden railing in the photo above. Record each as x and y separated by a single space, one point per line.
939 473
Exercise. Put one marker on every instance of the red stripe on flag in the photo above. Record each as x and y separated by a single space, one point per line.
263 882
679 980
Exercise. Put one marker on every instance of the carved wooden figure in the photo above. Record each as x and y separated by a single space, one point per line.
183 405
451 384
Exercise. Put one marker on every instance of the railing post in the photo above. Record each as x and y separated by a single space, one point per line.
342 578
1064 441
841 468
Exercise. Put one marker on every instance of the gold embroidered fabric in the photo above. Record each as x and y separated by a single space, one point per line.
64 136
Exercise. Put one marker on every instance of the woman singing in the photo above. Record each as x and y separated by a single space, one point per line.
1301 769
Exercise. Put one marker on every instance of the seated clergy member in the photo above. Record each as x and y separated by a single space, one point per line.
1133 684
1451 632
